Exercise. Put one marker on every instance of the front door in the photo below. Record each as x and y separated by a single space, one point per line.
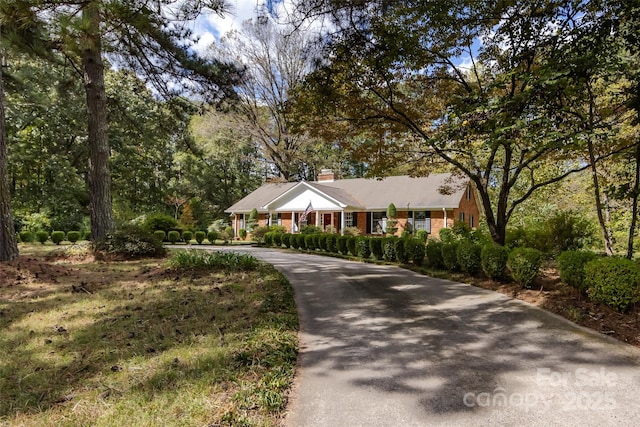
326 220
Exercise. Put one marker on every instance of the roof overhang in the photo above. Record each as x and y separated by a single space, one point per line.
299 197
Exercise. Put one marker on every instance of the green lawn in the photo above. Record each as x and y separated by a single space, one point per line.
138 343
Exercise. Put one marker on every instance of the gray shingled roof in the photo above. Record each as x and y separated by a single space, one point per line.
371 194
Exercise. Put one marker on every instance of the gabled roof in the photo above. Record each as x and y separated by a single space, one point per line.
435 191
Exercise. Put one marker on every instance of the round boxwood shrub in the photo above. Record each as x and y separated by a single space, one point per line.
243 233
363 247
160 221
57 237
571 265
160 235
450 256
494 260
321 241
332 243
187 236
422 235
73 236
26 236
352 245
401 250
389 248
286 240
268 238
375 245
277 240
42 236
200 235
433 251
415 250
310 241
524 265
300 241
294 241
468 256
173 236
613 281
212 236
343 244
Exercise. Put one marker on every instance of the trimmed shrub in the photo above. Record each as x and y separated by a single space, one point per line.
160 235
571 265
132 242
343 244
389 248
332 243
375 245
159 221
57 237
187 236
87 235
422 235
433 251
450 256
310 242
401 250
277 239
352 245
173 236
300 242
200 235
26 236
242 233
351 231
363 247
42 236
212 236
286 240
524 265
415 250
613 281
230 234
73 236
493 259
268 238
322 242
468 256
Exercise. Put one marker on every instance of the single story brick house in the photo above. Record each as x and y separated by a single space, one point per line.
425 203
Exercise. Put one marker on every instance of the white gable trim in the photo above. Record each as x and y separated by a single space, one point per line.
289 201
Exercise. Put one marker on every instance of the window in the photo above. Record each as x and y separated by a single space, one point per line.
462 216
468 192
378 222
279 219
471 220
421 220
348 219
240 221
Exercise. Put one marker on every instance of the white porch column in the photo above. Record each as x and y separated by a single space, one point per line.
317 218
342 222
293 222
332 222
445 217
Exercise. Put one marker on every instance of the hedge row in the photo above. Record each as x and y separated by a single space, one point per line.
403 250
612 281
56 237
174 236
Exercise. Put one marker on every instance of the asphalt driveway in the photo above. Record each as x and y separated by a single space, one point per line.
383 346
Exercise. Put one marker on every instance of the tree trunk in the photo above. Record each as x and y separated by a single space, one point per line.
634 205
99 174
8 242
606 236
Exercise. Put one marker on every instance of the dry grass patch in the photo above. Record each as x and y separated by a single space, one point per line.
139 343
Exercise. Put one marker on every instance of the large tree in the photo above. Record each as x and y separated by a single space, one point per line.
461 82
151 38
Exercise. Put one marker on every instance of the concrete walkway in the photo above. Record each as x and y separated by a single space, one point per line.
382 346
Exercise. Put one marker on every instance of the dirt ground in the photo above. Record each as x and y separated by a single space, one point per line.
550 293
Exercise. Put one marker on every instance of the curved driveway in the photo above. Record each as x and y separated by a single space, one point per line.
383 346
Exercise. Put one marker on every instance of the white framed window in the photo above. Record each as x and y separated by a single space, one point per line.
420 220
348 219
378 222
471 220
241 221
462 216
468 192
279 219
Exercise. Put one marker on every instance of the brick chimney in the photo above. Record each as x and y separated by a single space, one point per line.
326 175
